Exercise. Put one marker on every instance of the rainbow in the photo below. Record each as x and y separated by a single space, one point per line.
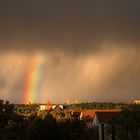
33 79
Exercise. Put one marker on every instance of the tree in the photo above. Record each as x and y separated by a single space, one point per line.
127 124
1 105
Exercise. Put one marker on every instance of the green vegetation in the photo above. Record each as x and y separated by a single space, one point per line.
55 124
97 105
25 122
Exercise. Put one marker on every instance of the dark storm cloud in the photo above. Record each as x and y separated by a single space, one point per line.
90 49
72 26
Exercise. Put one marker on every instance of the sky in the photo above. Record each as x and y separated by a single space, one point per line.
69 51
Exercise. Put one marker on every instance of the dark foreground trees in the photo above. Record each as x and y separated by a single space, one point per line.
50 129
127 125
16 127
38 129
59 124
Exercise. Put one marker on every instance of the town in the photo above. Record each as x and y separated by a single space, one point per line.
90 121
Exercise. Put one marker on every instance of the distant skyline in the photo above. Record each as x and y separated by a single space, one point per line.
76 50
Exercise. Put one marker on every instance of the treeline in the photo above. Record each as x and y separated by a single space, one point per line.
98 105
5 106
35 128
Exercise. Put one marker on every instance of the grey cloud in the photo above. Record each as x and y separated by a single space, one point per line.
90 48
71 26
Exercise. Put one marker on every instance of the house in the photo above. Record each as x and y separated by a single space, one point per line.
47 106
56 106
136 102
75 113
101 120
87 116
50 106
42 107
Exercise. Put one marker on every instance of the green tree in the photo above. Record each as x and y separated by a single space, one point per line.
127 124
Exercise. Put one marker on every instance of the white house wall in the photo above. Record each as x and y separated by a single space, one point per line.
96 121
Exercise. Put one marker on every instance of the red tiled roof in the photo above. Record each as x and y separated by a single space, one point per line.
58 106
48 106
89 114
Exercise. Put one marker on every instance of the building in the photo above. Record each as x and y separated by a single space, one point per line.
101 120
56 106
87 116
136 102
50 106
75 113
42 107
47 106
